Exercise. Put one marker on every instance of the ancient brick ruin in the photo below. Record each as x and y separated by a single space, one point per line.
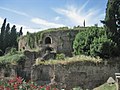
60 41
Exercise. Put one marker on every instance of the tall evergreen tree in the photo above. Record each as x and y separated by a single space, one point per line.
13 37
20 32
112 20
2 34
84 23
7 36
3 27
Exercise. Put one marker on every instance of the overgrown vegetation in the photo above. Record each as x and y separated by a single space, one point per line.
12 57
78 58
60 56
36 38
101 42
94 42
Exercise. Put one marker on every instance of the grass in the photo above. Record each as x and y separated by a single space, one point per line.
80 58
106 87
11 58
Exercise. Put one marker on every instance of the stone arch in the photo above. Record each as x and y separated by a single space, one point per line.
48 40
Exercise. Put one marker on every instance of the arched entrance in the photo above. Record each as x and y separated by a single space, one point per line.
48 40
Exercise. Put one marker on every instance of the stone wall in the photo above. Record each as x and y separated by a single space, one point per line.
23 44
60 41
87 75
7 71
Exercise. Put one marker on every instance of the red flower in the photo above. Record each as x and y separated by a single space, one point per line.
19 79
41 87
48 88
7 88
55 89
15 86
1 88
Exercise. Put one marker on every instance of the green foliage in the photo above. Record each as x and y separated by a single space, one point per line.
2 35
8 38
67 60
94 42
13 37
20 32
12 57
6 41
12 51
36 38
106 87
112 20
3 27
103 47
31 40
60 56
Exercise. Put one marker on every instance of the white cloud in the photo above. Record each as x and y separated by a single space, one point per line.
78 15
57 18
15 11
18 26
25 28
45 23
1 21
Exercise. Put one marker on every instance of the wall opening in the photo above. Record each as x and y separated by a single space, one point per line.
6 74
48 40
48 49
23 48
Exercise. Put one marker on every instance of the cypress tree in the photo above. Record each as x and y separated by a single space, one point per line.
84 23
20 32
13 37
7 36
112 20
2 35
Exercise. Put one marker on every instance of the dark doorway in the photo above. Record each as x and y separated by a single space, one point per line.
48 40
48 49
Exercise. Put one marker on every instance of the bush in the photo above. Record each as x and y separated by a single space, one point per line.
13 51
60 56
103 47
12 58
94 42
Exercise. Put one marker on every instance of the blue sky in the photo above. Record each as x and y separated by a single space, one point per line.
36 15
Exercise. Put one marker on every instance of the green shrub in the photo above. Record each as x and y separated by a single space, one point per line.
94 42
60 56
12 58
12 51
